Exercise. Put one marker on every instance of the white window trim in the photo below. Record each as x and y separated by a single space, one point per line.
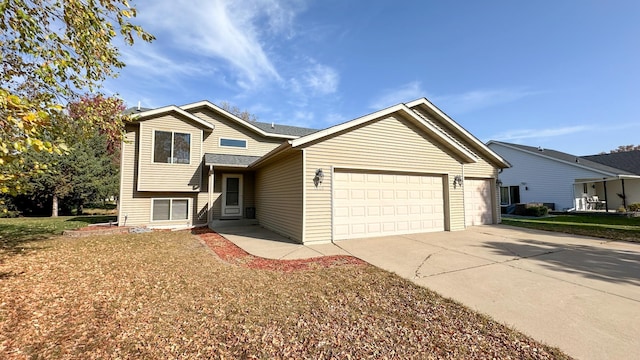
246 143
153 146
171 209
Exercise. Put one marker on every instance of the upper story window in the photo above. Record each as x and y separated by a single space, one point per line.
172 147
237 143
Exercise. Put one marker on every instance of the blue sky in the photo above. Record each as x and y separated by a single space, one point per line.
563 75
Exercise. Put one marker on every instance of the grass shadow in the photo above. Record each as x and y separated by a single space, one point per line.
96 219
20 235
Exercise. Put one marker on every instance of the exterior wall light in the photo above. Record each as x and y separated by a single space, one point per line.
317 180
457 181
498 183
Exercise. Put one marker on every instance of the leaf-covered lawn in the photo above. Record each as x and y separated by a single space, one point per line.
169 295
607 227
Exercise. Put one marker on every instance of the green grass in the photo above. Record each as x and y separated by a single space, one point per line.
607 227
18 235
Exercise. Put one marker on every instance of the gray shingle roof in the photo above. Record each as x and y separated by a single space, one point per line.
582 160
229 160
628 161
135 110
283 129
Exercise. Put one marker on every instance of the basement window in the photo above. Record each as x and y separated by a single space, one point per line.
170 209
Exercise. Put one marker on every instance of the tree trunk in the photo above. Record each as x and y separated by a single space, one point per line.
54 207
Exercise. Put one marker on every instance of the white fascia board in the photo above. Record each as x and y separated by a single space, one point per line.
211 106
612 178
168 109
462 151
450 121
579 165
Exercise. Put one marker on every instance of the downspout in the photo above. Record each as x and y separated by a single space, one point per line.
606 202
624 196
464 199
333 213
575 199
210 191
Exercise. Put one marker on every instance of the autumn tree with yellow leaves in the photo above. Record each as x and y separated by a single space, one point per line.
51 52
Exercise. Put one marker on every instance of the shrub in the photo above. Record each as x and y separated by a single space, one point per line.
536 211
634 207
621 209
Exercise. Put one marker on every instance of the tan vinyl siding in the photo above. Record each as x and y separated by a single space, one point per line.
225 128
279 195
391 144
135 206
128 168
169 177
480 169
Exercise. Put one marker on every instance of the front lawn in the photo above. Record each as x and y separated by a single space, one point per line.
608 227
168 295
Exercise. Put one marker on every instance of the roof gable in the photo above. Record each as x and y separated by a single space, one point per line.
264 129
457 143
144 115
451 128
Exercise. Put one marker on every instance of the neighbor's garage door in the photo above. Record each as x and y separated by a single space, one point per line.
477 202
378 204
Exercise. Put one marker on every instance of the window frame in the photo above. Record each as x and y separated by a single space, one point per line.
171 215
173 139
510 191
246 143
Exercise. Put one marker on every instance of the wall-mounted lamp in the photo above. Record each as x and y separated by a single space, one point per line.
457 181
498 183
593 186
317 180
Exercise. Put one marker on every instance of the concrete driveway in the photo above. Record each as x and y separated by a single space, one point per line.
580 294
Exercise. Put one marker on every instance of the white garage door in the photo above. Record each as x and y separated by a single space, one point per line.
477 202
374 204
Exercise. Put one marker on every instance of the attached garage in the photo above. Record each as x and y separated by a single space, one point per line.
397 171
478 207
369 204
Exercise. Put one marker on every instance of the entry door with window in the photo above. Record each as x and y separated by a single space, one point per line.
231 196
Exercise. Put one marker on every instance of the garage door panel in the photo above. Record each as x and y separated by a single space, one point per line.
386 204
478 208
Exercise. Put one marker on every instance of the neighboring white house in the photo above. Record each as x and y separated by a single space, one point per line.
569 182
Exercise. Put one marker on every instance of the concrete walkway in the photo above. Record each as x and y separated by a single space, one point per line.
578 293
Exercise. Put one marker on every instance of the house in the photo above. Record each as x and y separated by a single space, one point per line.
405 169
598 182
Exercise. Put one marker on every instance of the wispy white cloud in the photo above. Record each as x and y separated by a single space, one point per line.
322 79
315 79
522 134
479 99
404 93
229 30
154 64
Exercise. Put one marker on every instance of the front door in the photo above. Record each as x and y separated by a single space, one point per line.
231 196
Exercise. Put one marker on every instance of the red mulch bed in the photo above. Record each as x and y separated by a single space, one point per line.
233 254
